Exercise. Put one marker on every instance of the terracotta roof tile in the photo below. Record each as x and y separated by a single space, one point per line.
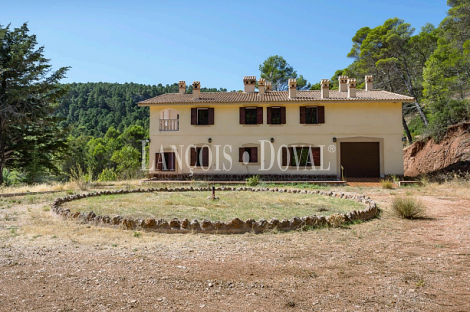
275 96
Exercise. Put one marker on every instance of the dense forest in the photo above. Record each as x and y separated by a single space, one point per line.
92 108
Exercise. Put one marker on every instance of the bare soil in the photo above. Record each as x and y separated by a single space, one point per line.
386 264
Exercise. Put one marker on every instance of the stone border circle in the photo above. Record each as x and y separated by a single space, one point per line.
235 226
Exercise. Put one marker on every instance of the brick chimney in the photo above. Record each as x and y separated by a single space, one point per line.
368 82
196 90
343 83
249 82
182 86
325 88
261 86
292 88
351 88
269 87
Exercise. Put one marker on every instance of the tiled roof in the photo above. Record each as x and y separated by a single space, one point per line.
275 96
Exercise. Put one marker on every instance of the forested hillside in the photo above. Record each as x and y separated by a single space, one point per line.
92 108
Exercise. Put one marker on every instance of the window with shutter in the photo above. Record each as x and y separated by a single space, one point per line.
311 115
205 156
268 115
251 117
252 153
165 161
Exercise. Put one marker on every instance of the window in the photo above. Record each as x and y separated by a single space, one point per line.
167 162
311 115
275 115
251 115
200 156
301 157
203 116
251 152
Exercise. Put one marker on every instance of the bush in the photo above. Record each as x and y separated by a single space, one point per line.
107 175
386 184
253 181
79 177
408 207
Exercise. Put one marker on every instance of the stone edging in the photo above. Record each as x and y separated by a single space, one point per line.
234 226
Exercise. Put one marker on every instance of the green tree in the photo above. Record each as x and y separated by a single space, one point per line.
128 161
28 90
447 72
276 70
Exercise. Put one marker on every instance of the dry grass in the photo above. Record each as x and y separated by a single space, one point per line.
408 207
41 187
195 205
386 184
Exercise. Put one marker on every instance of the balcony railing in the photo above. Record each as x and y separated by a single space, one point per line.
169 124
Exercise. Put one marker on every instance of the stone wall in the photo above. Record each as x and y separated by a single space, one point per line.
234 226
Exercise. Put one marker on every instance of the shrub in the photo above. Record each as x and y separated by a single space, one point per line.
253 181
79 178
408 207
107 175
386 184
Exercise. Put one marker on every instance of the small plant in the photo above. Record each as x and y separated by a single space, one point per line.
46 208
114 245
336 220
79 178
386 184
253 181
107 175
137 234
408 207
69 192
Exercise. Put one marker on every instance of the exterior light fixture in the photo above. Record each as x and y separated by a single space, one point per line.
334 139
209 140
272 140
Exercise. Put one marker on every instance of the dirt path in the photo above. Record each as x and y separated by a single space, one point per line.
386 264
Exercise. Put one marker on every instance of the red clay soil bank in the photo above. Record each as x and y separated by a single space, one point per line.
234 226
451 153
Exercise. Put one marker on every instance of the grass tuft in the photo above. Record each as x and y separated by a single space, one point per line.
386 184
408 207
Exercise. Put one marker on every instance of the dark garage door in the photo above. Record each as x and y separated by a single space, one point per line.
360 159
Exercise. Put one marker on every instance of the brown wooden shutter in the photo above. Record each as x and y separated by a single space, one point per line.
259 115
268 117
284 157
211 116
321 114
254 155
158 161
242 115
283 115
193 116
316 156
241 151
193 157
171 161
205 156
302 114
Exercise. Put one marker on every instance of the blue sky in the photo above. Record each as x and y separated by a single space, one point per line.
215 42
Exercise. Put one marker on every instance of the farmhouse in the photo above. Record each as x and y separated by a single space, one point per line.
279 135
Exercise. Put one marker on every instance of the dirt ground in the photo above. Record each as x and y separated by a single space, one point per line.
387 264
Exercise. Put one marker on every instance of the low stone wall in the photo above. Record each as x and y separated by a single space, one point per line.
168 176
234 226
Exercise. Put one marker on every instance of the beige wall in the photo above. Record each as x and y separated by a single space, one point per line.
349 121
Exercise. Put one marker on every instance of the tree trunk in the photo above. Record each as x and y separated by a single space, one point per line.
405 126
